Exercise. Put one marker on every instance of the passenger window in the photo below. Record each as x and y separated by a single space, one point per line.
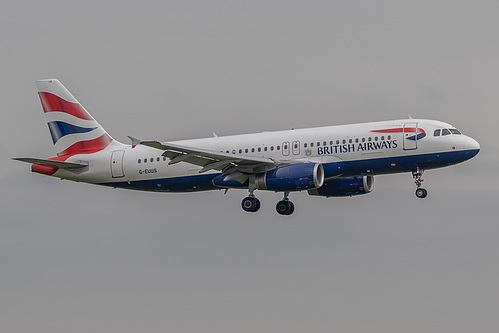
145 160
246 150
331 142
152 159
278 147
157 159
305 145
363 139
325 143
350 141
337 142
233 151
389 137
318 144
271 148
369 139
436 133
265 149
311 144
375 138
382 138
138 161
445 131
252 150
259 149
164 158
357 140
344 141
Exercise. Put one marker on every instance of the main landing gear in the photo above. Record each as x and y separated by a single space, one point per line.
251 204
418 179
285 207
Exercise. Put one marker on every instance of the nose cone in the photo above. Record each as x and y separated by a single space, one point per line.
471 144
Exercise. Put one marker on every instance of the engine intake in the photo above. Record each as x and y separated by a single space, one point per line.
344 187
295 177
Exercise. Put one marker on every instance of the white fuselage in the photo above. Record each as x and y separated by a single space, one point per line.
345 150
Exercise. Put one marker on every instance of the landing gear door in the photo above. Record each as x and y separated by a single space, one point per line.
410 136
117 164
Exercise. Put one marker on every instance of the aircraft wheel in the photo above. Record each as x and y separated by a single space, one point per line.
421 193
285 207
250 204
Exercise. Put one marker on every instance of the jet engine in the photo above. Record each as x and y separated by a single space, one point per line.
295 177
344 187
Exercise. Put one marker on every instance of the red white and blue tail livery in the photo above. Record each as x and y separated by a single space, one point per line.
331 161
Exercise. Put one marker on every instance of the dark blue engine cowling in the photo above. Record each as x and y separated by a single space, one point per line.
295 177
344 187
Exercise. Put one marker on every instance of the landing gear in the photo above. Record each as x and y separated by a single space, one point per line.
285 207
421 193
250 204
418 179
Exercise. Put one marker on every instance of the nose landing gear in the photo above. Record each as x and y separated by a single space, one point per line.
418 179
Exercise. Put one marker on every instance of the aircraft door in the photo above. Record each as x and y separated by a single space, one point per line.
285 148
296 147
410 136
117 164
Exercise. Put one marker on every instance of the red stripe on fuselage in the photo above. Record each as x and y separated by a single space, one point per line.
82 147
53 103
401 130
87 147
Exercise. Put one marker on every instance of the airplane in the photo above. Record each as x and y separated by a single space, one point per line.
331 161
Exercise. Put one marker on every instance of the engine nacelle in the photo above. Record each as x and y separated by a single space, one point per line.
344 187
295 177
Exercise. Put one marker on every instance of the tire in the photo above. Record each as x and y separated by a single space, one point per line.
258 205
285 207
291 208
421 193
250 204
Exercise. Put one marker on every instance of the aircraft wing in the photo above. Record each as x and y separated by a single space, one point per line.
210 159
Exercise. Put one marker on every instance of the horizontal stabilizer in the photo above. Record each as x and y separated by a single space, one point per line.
57 164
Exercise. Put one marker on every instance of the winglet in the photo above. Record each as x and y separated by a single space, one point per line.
135 141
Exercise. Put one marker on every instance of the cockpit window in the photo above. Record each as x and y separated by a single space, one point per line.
454 131
445 131
436 133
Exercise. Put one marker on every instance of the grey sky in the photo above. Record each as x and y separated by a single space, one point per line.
82 258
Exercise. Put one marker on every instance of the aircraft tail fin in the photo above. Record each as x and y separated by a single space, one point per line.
73 129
